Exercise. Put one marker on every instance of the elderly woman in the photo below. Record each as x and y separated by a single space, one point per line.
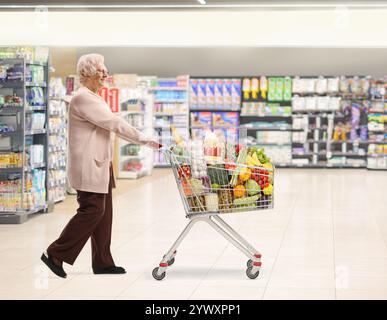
90 172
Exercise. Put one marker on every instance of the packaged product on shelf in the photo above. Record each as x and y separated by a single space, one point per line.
287 94
333 85
3 72
344 85
236 93
35 96
246 88
201 119
298 103
210 93
15 73
202 92
219 93
254 88
272 89
227 93
35 74
365 85
263 86
279 89
225 119
310 103
334 103
322 103
10 160
354 85
321 85
297 85
193 93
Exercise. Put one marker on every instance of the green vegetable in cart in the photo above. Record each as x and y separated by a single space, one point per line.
252 187
268 190
218 174
215 186
196 186
246 202
241 160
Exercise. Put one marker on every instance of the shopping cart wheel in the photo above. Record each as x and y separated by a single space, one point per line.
249 263
171 262
156 276
250 274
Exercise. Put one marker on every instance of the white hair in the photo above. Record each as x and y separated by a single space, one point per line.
87 65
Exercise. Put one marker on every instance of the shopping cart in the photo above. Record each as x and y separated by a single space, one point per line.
206 201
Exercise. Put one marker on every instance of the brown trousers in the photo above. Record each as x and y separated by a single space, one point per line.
93 219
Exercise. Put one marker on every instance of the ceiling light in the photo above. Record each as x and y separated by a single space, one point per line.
202 1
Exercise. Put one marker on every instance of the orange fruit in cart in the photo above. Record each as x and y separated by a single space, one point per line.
239 191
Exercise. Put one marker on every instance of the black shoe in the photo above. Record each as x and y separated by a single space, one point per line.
58 270
110 270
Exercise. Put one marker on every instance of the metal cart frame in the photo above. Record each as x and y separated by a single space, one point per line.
217 223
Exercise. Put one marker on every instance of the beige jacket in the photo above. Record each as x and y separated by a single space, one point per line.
91 141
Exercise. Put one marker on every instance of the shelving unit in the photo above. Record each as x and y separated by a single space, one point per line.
214 104
170 111
266 116
377 126
136 107
57 141
23 175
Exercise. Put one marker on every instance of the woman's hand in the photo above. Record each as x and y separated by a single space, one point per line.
154 144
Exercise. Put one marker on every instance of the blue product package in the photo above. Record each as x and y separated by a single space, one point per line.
227 94
225 119
218 94
210 93
236 93
193 93
202 92
201 119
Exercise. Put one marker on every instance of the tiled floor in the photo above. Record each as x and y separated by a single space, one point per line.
325 239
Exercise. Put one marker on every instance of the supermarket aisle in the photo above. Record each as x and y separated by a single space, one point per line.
325 239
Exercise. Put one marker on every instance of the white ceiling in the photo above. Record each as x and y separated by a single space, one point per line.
243 61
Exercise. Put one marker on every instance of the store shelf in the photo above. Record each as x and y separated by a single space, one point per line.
9 134
347 154
10 170
35 109
269 129
12 84
161 114
168 89
35 166
19 215
376 111
8 110
171 101
349 141
265 116
34 132
269 144
169 127
376 155
36 84
348 166
36 63
215 109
